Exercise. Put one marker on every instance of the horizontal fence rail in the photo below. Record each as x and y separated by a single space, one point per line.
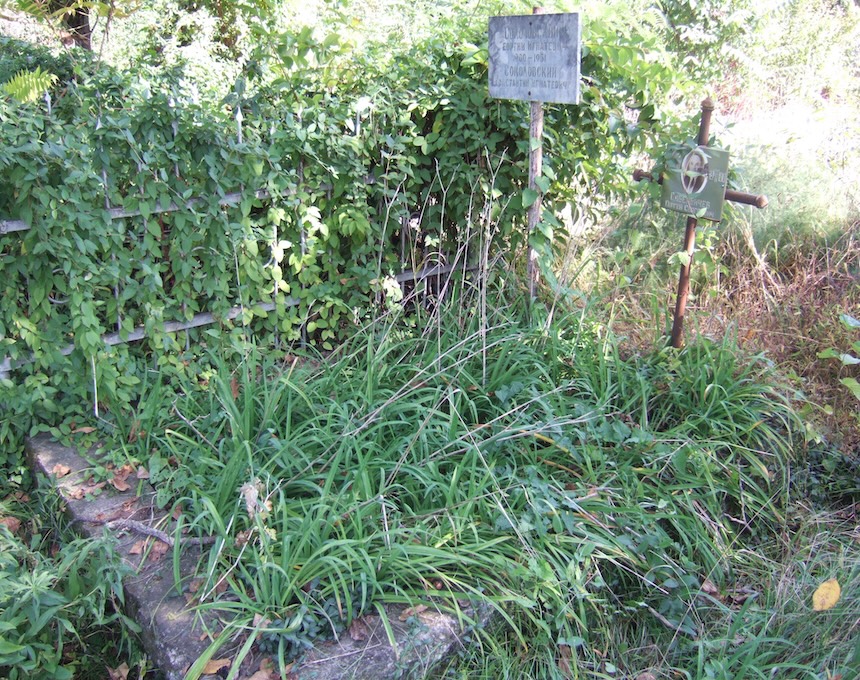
9 226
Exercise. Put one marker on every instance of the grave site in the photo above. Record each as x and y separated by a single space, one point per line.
429 340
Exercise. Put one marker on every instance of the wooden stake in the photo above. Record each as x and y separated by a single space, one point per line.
535 169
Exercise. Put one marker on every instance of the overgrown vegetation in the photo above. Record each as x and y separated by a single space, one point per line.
480 461
626 510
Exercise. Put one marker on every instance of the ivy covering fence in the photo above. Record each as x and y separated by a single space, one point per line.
286 199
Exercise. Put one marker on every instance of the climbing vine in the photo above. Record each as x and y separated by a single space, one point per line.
288 199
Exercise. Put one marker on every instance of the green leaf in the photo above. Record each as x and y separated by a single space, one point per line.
9 648
849 321
543 183
529 197
853 385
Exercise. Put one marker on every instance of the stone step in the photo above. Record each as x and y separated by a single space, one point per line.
175 634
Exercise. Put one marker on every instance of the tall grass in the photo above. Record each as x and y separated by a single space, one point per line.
577 492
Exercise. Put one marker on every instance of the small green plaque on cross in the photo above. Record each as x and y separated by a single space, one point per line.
695 183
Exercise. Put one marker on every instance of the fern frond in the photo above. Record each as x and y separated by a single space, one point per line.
27 86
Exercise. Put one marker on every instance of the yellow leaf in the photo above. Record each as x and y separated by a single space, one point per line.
216 665
826 596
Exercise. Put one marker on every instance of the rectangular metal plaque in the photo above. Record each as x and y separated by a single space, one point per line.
695 183
535 58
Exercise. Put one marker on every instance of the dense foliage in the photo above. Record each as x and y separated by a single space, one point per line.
344 157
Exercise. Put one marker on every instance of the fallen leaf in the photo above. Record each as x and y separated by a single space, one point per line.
137 548
159 550
76 495
11 523
266 671
234 387
85 430
251 494
564 654
412 611
826 596
216 665
60 470
358 631
261 675
142 473
119 483
118 673
709 588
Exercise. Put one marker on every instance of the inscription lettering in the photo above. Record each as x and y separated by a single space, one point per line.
535 57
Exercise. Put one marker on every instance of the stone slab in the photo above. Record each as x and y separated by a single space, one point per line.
173 633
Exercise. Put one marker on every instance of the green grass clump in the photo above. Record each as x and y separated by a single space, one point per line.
581 494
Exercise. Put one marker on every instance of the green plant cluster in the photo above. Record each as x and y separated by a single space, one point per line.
345 146
49 605
536 472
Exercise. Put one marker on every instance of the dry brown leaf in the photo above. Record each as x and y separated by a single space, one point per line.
137 548
76 495
564 654
709 588
412 611
60 470
250 493
216 665
118 673
119 483
11 523
358 631
142 473
262 675
84 430
266 671
234 387
159 550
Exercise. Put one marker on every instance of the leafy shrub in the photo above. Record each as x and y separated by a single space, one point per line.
47 604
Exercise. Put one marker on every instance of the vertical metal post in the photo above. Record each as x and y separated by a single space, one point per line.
689 241
535 168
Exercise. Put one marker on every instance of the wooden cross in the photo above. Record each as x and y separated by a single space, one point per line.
692 222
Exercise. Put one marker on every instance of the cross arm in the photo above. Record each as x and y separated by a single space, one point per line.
759 201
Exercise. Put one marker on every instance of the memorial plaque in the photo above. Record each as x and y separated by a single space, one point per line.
535 58
695 183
